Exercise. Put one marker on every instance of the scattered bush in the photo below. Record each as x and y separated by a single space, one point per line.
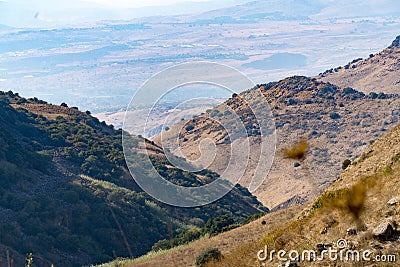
382 96
328 197
21 101
373 95
189 128
349 90
346 164
334 116
396 158
162 245
207 256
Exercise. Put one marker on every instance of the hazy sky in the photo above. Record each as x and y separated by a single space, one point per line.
137 3
53 13
49 13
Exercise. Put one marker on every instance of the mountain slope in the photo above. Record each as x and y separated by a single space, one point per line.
378 73
338 123
67 197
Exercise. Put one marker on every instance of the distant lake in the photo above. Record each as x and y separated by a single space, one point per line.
279 61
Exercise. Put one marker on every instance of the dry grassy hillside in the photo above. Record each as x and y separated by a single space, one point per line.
361 207
226 242
378 73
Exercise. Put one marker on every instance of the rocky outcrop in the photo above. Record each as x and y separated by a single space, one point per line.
393 201
385 231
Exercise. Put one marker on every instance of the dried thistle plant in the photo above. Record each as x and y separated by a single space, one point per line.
298 151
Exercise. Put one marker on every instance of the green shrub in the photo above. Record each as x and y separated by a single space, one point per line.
162 245
188 236
218 225
208 255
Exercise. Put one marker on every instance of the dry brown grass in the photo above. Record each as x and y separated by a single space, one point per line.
250 236
285 235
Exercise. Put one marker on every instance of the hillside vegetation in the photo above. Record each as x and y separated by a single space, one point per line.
66 195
